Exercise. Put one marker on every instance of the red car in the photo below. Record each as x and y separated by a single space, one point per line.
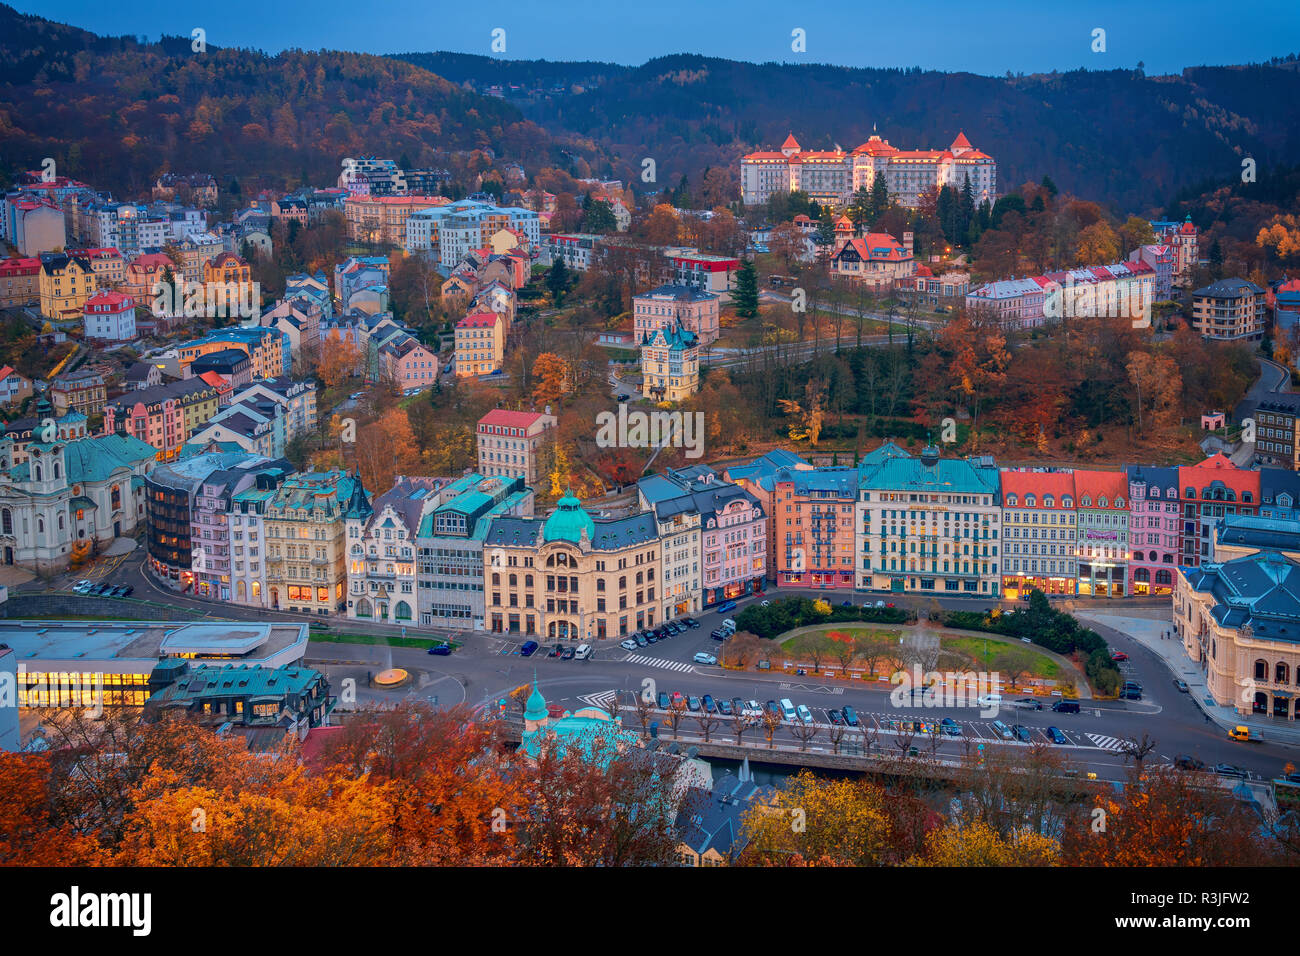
1119 656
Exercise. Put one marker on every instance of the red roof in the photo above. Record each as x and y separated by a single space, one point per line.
790 142
478 320
961 142
214 379
1292 286
119 301
509 419
1111 485
18 267
1058 484
1219 468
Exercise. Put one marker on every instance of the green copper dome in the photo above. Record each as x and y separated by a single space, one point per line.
568 521
536 709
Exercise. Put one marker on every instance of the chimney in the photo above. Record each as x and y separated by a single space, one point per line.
907 242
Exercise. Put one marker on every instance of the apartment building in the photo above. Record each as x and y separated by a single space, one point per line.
1153 528
381 565
382 219
670 364
1039 532
509 443
65 283
480 344
572 577
672 305
1211 490
813 527
1103 532
1230 310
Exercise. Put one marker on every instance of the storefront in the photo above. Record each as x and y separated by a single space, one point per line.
1016 587
1102 580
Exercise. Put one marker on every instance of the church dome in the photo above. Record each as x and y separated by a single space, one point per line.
568 521
536 708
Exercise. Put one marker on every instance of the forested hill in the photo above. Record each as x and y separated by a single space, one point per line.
117 112
1116 136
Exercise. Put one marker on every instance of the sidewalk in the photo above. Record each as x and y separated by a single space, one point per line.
1148 631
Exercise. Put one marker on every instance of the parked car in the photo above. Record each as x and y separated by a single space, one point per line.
569 654
1188 762
787 710
846 604
850 716
652 638
1056 735
1028 703
836 717
555 651
724 707
1022 733
880 604
1132 685
702 658
987 701
1002 730
640 640
709 705
1066 707
623 396
950 727
771 707
690 622
583 652
726 606
629 644
753 709
82 586
1229 770
738 705
1180 684
804 714
527 648
718 634
693 704
765 603
663 700
130 589
1130 693
441 650
121 591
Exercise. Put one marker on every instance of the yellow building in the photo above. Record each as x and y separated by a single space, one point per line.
670 364
66 282
480 344
305 526
570 577
107 264
265 348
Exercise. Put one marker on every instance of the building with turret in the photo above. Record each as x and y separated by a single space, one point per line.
571 577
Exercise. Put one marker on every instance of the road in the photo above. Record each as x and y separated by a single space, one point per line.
489 666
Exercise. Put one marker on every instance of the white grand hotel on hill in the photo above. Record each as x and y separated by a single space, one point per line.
834 176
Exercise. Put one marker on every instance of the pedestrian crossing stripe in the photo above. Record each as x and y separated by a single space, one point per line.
680 666
1106 743
601 700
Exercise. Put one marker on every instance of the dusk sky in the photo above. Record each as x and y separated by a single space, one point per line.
1019 35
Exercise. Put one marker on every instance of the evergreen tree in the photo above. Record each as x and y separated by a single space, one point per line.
557 280
860 207
966 210
826 227
746 295
1050 186
945 210
879 198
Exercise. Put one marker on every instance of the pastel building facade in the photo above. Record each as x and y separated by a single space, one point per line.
1153 529
1039 529
510 443
670 305
1103 532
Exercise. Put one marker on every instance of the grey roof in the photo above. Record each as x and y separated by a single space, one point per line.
1229 289
1259 590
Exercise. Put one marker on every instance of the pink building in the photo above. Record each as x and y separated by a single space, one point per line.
410 365
734 543
1017 303
509 442
1153 529
668 305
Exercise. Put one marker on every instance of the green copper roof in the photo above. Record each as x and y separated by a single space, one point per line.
536 709
568 521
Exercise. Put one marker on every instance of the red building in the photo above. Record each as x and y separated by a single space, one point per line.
1208 491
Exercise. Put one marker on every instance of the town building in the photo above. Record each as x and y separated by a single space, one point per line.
20 282
13 387
673 305
1184 239
381 542
927 524
480 344
109 317
510 443
1103 532
1161 258
81 391
1154 522
833 176
1039 532
65 282
1230 310
213 535
811 520
670 364
38 225
572 577
449 547
69 496
165 415
239 698
758 477
1237 620
382 219
877 259
304 521
1209 491
925 289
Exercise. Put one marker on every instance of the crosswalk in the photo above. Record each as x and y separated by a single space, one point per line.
679 666
601 700
1106 743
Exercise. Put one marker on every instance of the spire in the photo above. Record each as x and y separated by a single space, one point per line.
358 502
535 710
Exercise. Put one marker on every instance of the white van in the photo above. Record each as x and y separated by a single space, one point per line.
787 710
730 625
583 652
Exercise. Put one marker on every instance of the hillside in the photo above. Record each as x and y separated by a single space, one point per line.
117 112
1118 136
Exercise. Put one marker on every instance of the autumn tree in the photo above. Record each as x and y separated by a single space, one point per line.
384 449
551 379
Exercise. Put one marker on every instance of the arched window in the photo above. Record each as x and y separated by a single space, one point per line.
496 580
1164 577
514 580
1261 670
1282 673
403 612
40 525
56 470
36 469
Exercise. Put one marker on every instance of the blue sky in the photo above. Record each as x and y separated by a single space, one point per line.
981 36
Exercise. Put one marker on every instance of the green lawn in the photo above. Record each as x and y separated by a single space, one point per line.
857 631
974 647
